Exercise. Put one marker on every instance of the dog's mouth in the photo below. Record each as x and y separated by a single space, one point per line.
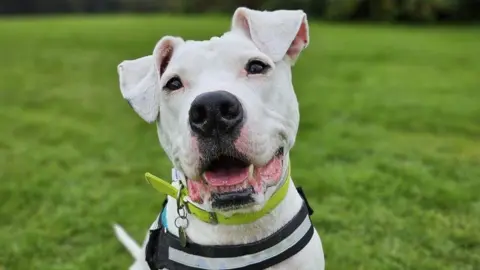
230 183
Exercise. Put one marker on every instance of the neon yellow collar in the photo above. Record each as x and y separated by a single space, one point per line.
212 217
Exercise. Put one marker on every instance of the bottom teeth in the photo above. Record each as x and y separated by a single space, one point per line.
241 186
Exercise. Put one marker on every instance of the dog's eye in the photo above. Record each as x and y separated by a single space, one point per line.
256 67
173 84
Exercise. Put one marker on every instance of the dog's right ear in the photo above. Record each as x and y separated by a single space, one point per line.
139 86
139 78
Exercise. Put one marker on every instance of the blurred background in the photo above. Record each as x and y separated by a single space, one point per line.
388 149
351 10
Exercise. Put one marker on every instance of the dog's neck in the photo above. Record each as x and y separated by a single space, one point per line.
207 234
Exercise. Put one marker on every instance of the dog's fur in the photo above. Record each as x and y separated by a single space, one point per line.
268 100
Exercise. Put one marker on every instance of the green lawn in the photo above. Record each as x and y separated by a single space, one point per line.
388 148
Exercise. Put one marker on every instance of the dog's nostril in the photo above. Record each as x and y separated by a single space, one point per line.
198 115
229 110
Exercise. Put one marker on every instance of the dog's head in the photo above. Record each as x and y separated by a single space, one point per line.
225 108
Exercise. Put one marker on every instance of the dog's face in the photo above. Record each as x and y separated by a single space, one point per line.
225 108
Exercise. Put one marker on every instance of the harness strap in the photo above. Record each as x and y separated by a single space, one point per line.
164 250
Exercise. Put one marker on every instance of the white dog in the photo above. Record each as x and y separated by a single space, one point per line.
227 116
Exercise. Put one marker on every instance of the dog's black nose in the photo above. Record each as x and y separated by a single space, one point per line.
215 113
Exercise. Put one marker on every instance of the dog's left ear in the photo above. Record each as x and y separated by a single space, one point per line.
279 34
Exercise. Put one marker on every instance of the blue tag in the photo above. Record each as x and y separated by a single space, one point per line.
163 218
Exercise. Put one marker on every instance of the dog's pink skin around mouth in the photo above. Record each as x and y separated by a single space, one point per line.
242 142
235 180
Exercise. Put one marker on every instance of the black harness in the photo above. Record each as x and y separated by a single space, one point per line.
164 250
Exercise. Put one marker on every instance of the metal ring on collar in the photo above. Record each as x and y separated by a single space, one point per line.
184 219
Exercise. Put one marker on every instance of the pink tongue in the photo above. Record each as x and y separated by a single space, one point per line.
226 178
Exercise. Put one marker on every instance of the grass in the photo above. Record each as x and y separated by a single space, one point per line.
388 148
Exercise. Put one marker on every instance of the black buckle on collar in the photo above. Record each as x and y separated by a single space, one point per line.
213 218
